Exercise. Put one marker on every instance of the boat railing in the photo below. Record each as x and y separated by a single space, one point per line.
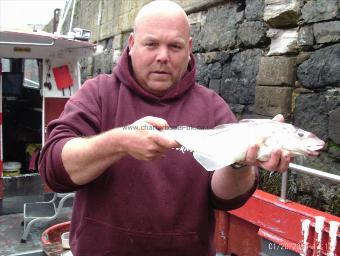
306 170
52 42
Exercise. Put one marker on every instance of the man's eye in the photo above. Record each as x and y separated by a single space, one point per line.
175 46
150 44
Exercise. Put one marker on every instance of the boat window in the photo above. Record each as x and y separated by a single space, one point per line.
12 83
6 65
32 68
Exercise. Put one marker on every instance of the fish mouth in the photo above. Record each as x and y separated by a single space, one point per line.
313 150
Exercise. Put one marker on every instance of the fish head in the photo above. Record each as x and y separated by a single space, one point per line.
301 142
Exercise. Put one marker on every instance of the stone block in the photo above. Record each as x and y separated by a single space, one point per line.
111 9
283 41
195 30
125 22
279 71
86 68
237 109
103 63
332 99
201 69
126 6
254 9
197 17
125 37
303 56
320 10
321 69
191 6
282 13
196 20
219 29
310 113
252 33
215 70
115 55
215 84
270 101
327 32
117 42
105 13
239 77
305 36
334 125
106 30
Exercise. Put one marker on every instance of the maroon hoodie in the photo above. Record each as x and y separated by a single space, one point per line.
159 207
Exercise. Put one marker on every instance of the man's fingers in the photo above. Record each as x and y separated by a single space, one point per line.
273 162
279 161
279 118
284 161
252 154
145 141
165 141
157 122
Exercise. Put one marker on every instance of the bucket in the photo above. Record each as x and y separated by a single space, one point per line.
11 168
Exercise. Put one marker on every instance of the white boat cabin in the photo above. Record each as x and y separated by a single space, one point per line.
38 74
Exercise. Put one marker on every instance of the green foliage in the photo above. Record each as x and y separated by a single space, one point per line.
333 146
270 182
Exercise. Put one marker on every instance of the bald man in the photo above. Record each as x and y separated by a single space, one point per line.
135 193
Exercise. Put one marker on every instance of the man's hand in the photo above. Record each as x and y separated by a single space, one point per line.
87 158
144 141
278 160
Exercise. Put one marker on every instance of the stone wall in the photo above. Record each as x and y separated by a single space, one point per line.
263 57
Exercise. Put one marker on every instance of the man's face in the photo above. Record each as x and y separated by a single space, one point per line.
160 51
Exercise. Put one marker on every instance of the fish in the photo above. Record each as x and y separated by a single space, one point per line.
228 143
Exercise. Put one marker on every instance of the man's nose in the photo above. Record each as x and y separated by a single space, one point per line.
163 55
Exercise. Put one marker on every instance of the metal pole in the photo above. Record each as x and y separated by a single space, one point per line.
72 14
28 44
314 172
284 181
306 170
63 17
99 20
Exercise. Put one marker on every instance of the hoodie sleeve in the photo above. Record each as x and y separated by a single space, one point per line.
80 118
234 203
224 115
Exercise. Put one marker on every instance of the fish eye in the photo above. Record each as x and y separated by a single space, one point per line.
300 134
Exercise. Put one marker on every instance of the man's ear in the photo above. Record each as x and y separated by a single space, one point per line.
131 42
190 46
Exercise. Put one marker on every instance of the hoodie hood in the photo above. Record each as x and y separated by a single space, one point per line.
123 71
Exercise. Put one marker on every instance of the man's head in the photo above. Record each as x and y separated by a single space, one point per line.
160 46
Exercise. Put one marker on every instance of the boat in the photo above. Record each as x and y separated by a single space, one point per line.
39 72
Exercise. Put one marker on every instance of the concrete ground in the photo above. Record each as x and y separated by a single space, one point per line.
11 231
17 191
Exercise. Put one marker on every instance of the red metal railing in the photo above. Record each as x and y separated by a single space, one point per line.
289 225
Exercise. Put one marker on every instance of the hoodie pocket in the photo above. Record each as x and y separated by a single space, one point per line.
99 238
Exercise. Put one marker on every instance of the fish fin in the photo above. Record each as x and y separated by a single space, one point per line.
210 163
260 120
222 126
